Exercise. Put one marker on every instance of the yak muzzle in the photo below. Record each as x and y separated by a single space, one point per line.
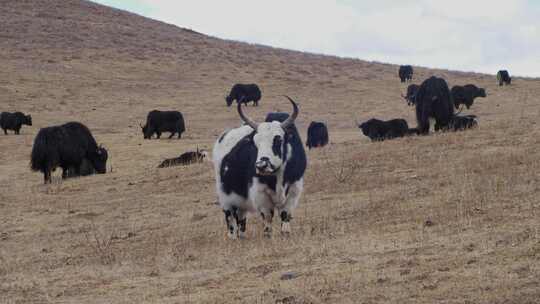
265 167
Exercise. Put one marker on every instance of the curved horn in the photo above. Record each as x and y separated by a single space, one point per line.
289 121
246 119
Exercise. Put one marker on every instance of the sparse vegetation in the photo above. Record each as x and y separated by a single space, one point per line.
445 218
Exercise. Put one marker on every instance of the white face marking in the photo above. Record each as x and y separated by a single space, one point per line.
264 140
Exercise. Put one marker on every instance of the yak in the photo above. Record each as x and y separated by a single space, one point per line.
163 121
378 130
411 94
186 158
466 94
462 122
317 135
405 73
503 77
259 168
66 146
14 121
244 93
433 100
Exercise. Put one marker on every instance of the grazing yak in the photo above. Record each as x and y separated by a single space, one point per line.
466 94
433 100
14 121
462 122
317 135
67 146
259 167
86 168
411 94
163 121
378 130
244 93
405 73
503 77
185 159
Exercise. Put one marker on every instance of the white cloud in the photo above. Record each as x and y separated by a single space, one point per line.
479 35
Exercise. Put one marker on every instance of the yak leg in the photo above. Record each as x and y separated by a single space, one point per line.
231 223
172 134
291 201
158 134
267 216
5 131
241 221
47 176
18 130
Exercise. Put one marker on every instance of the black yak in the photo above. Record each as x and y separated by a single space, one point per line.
163 121
405 73
411 94
66 146
244 93
377 129
503 77
186 158
86 168
433 100
462 122
14 121
466 94
317 135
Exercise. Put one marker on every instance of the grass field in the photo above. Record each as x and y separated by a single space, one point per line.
445 218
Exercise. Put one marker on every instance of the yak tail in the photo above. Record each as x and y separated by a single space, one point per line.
43 152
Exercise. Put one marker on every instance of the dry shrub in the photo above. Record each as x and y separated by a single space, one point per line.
101 244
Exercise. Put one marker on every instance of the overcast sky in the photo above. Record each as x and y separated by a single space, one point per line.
467 35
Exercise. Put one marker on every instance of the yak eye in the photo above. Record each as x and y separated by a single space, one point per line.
276 145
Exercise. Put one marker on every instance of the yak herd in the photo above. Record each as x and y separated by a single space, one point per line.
73 148
259 167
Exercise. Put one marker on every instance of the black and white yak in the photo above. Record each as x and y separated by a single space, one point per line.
14 121
405 73
466 94
503 77
317 135
70 146
244 93
163 121
259 167
434 101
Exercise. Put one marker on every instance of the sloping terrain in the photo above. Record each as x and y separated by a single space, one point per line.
445 218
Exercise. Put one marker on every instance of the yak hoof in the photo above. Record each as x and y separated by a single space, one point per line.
232 235
286 228
242 235
268 232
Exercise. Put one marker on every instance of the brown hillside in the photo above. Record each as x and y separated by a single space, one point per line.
447 218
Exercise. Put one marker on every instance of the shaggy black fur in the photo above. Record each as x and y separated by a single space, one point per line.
244 93
466 94
14 121
163 121
503 77
66 146
462 122
378 130
317 135
411 94
433 100
405 73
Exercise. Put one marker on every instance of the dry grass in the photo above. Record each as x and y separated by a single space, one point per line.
449 218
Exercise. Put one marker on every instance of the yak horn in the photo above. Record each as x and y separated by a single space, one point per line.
245 118
289 121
